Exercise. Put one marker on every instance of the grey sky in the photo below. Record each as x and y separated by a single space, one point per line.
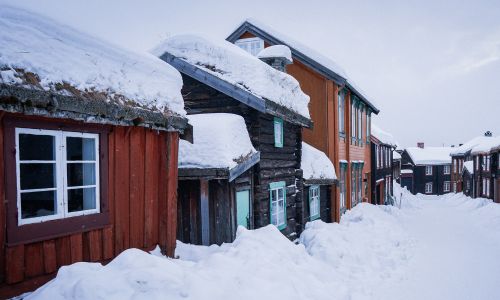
432 67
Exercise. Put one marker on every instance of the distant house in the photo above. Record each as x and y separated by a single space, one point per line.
396 166
215 180
495 169
89 136
459 156
467 178
318 177
221 78
485 158
383 145
341 112
430 169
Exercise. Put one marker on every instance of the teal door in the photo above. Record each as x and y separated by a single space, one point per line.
243 208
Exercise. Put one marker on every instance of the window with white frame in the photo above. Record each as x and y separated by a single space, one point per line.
446 170
251 45
428 170
278 204
314 202
484 186
377 158
341 99
278 132
368 125
468 184
342 184
483 165
477 163
428 188
360 183
454 187
487 163
353 185
57 174
455 166
353 121
360 125
446 186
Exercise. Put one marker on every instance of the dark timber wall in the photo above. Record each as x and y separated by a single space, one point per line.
139 198
276 164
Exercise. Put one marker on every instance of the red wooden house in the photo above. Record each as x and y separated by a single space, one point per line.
89 144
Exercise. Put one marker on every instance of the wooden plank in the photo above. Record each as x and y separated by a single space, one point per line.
204 212
14 258
171 146
111 177
49 256
151 171
162 193
107 243
94 245
76 248
63 251
8 291
122 209
33 260
137 147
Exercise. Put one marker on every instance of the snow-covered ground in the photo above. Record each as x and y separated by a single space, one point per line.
431 248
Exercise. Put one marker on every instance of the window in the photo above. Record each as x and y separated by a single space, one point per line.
342 186
278 132
251 45
484 186
428 188
341 97
353 185
368 125
314 202
278 204
360 183
446 170
468 184
57 174
377 158
446 186
487 163
360 126
477 163
455 187
353 121
483 166
428 170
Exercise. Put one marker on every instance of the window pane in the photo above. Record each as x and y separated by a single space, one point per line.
36 147
273 219
37 176
280 194
81 199
81 174
38 204
80 148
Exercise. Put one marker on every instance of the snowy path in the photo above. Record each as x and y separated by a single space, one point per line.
455 257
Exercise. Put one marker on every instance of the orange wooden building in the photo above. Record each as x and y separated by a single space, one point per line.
340 112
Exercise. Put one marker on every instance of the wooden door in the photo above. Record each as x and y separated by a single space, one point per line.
243 208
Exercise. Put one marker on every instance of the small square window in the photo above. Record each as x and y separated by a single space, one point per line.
278 132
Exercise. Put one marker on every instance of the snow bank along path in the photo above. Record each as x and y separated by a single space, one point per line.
433 248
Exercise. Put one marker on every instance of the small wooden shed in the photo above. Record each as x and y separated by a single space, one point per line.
88 160
215 193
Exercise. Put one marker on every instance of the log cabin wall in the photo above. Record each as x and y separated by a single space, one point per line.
141 202
276 164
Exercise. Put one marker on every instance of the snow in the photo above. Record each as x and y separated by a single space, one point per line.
396 155
466 147
219 141
383 136
486 146
237 67
430 155
315 164
276 51
424 247
406 171
58 54
469 166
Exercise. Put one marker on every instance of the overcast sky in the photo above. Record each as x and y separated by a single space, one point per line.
432 68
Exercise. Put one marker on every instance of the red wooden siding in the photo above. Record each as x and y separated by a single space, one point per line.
142 185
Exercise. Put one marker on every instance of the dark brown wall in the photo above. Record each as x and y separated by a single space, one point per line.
142 184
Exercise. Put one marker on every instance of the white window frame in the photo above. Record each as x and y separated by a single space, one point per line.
428 170
61 163
246 44
343 173
280 215
446 186
446 170
314 202
428 188
341 99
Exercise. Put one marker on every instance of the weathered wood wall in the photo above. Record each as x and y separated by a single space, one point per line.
304 212
142 179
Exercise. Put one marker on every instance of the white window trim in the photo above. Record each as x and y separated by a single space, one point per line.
314 201
249 41
446 170
61 181
428 170
446 186
428 191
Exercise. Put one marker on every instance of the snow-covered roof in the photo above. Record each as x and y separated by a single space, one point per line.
303 51
486 145
234 65
467 147
406 171
396 155
315 164
276 51
219 141
469 166
63 60
430 155
383 136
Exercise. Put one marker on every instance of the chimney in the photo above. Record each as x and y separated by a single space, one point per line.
420 145
460 145
278 57
488 134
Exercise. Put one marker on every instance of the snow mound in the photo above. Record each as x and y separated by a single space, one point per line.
383 136
486 145
315 164
62 59
466 147
237 67
276 51
219 141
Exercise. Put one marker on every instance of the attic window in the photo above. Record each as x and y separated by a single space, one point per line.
251 45
278 132
57 174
